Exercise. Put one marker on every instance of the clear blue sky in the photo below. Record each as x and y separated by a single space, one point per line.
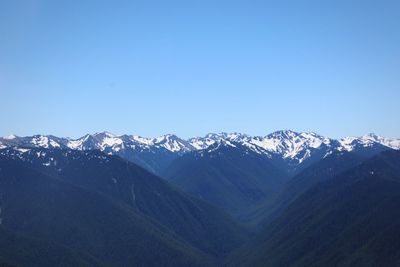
192 67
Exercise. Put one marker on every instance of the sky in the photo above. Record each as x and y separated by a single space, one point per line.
192 67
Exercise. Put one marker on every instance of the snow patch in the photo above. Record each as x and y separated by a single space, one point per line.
10 137
22 150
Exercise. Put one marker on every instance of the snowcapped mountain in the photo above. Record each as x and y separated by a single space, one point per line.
288 144
101 141
105 141
43 141
389 142
153 154
204 142
293 148
173 143
293 145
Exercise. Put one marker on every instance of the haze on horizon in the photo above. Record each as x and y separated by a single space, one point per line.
189 68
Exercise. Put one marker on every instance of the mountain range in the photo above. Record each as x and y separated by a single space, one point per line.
286 199
289 148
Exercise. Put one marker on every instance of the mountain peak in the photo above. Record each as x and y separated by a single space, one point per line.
373 135
166 137
173 143
10 137
217 148
104 134
284 133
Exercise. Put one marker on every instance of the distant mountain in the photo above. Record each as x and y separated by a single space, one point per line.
227 174
152 154
135 197
373 138
295 151
352 219
290 150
